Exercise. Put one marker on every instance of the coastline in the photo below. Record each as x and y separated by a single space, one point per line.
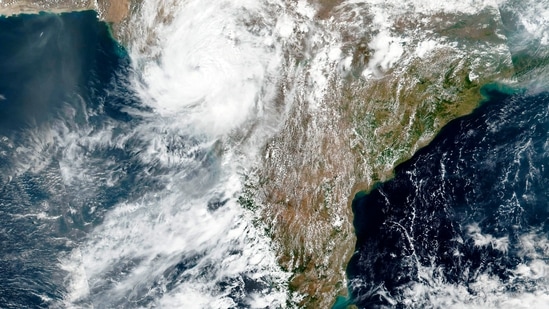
110 11
443 150
30 7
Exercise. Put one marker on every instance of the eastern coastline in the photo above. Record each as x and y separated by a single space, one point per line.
493 94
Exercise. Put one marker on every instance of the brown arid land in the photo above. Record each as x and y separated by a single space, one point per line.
112 11
321 158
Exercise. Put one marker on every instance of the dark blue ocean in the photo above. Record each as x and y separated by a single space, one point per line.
472 205
58 74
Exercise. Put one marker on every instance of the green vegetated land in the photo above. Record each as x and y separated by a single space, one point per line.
320 160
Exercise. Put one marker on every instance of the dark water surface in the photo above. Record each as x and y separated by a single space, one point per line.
461 208
59 74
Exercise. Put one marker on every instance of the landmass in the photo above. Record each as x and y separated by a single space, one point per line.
112 11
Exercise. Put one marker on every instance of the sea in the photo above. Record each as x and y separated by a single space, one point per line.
58 73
